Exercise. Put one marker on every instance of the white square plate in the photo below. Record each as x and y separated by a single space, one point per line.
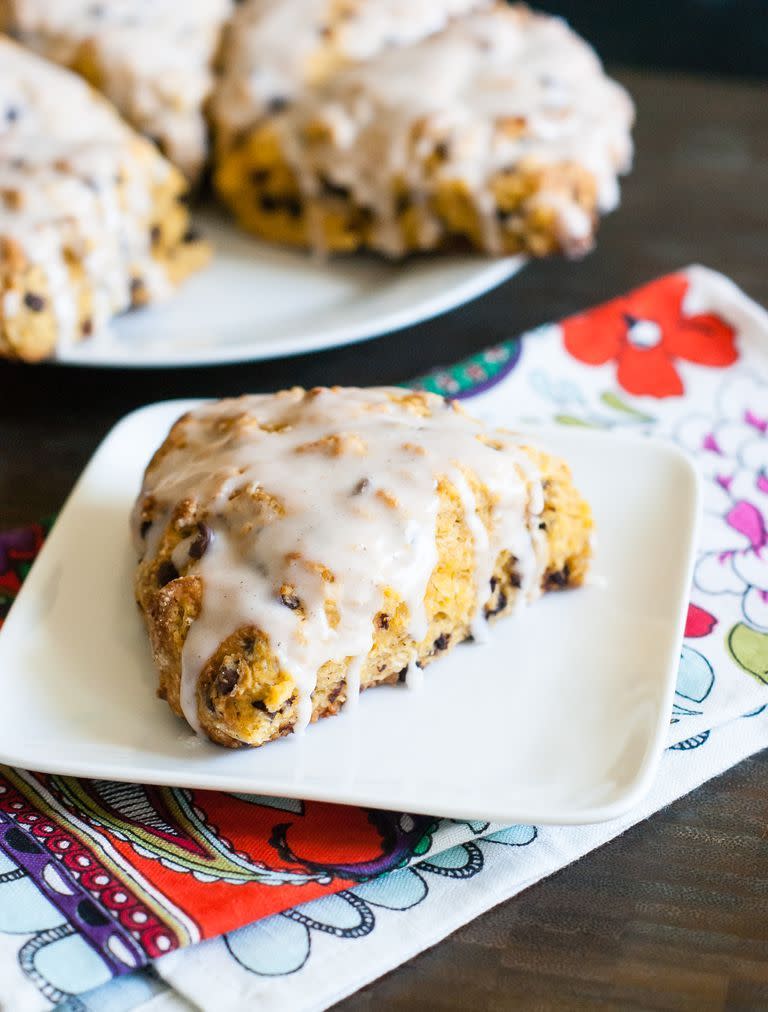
560 718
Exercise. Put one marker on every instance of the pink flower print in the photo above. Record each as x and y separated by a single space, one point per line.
731 447
742 567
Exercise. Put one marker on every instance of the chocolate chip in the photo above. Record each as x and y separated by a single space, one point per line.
442 150
227 679
268 203
334 694
494 582
332 189
361 486
166 572
290 601
442 641
542 526
500 605
382 620
558 579
34 302
259 176
401 674
199 546
249 644
191 235
259 704
277 104
154 233
86 327
293 207
503 215
145 525
402 204
512 573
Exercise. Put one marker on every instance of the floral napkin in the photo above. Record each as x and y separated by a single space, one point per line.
117 897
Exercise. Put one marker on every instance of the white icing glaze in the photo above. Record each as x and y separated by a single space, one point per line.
355 474
274 50
495 90
62 151
154 58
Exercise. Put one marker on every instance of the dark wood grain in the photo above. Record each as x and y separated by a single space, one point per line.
674 915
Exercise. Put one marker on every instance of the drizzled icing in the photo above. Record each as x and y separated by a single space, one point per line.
75 185
153 56
274 50
314 503
496 90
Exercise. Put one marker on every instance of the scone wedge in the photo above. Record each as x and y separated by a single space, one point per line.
155 60
295 548
500 132
93 219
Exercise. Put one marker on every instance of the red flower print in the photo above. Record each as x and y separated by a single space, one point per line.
644 332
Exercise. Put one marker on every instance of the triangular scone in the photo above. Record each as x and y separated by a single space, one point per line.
297 547
92 217
273 51
154 60
501 131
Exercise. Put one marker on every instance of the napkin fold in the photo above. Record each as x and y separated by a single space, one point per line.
117 897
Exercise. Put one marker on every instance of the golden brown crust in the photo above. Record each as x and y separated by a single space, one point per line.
254 179
32 332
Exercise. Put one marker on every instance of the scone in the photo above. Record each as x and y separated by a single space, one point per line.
153 60
272 52
297 547
501 132
92 217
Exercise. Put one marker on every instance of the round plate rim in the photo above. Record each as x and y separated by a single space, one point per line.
481 280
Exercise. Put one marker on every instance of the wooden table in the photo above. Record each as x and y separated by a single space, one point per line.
673 915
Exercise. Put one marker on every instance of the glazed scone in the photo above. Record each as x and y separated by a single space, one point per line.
501 131
297 547
154 60
272 52
92 217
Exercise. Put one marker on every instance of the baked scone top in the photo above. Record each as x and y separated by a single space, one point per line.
76 186
152 58
313 503
497 90
274 50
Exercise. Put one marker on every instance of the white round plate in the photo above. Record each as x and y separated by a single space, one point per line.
257 301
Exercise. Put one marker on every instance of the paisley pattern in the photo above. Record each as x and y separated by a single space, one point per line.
97 879
475 374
